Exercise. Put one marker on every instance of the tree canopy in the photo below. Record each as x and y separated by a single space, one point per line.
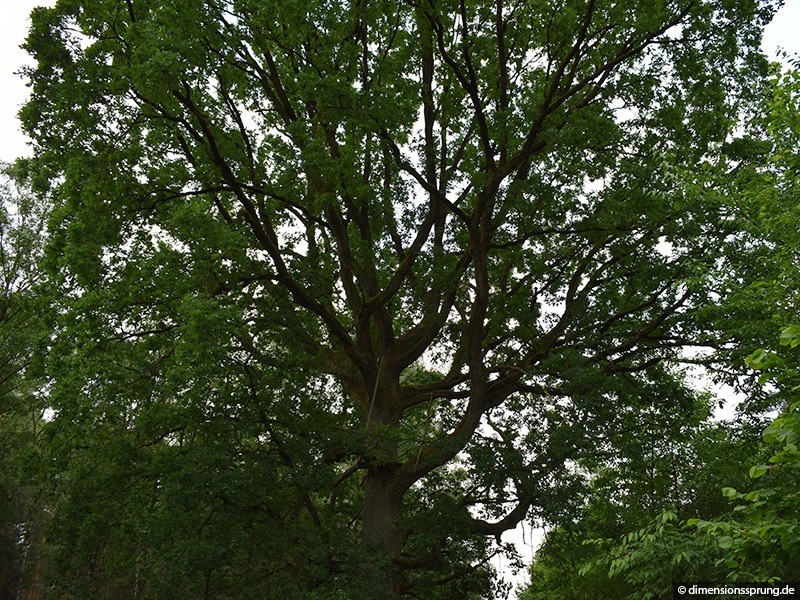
22 221
609 546
341 290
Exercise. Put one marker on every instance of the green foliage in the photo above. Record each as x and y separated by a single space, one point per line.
610 546
340 292
763 541
757 539
21 403
738 536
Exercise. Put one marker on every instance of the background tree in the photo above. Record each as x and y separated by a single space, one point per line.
425 251
637 497
21 403
721 534
756 539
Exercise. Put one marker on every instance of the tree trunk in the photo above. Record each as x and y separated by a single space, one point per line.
382 536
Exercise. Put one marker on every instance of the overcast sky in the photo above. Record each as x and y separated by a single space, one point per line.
782 33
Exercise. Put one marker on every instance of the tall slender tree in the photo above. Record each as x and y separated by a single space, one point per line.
437 245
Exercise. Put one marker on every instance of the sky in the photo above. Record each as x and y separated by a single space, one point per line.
13 92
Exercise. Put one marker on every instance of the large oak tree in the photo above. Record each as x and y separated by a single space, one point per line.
401 261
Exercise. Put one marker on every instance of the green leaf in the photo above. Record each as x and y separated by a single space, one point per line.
730 492
725 542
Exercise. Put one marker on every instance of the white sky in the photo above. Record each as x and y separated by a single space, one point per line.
13 29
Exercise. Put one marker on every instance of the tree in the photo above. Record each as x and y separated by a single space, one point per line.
757 539
437 245
762 538
21 408
740 536
631 506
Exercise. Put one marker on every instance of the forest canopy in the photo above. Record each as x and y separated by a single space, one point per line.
336 293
